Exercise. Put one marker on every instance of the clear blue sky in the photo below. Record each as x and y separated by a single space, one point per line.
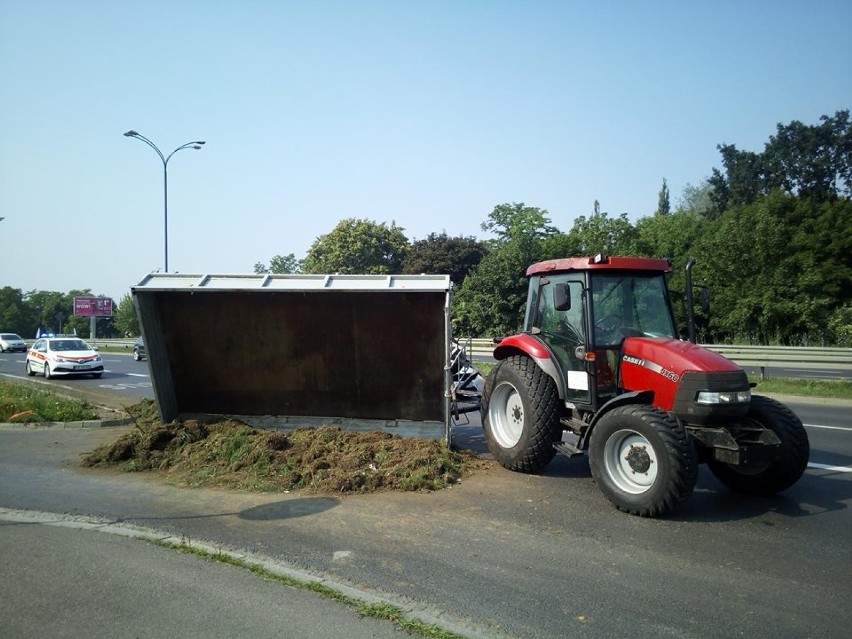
424 113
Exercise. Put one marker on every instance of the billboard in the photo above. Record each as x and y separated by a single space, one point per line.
93 306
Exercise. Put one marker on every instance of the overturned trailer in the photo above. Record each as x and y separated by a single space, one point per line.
364 351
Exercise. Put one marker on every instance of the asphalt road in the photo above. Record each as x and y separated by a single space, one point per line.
64 580
505 554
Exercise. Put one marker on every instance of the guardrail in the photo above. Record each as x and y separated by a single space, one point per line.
123 342
761 357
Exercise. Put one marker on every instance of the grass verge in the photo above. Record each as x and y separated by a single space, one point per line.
383 611
23 403
835 389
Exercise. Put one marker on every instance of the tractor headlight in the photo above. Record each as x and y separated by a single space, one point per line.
724 397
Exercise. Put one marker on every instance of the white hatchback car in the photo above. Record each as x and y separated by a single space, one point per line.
63 356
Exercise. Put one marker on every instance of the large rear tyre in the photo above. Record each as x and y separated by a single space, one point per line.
520 414
643 460
783 471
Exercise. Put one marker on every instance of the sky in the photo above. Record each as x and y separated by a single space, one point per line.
427 114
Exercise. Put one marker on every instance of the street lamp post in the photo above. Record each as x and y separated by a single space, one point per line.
165 158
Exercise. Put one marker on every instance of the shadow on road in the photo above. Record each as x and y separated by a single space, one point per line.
289 509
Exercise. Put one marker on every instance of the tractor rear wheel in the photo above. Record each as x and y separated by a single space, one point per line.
520 414
643 460
783 471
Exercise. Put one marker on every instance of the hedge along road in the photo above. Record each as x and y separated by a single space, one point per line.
517 555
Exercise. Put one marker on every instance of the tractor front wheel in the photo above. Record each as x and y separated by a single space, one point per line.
782 472
520 414
643 460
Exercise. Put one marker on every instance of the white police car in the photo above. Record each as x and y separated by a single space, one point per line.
52 356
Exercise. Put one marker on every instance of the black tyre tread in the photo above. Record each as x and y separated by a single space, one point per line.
681 456
782 472
535 449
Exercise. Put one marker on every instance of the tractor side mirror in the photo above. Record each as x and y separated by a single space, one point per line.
561 297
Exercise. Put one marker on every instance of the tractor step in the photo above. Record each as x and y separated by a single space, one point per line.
567 448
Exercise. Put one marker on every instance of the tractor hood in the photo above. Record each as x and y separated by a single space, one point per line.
659 364
676 356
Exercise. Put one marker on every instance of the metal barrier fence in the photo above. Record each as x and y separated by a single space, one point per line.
119 343
762 357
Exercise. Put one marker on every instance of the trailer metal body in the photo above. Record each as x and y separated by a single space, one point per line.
363 351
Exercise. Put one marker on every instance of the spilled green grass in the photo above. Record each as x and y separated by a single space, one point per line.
23 403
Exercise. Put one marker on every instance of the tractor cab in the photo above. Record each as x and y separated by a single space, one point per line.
583 310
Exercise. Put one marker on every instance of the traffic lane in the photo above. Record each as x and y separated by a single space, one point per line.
536 556
65 581
122 377
828 426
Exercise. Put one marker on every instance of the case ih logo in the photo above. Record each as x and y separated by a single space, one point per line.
93 306
651 366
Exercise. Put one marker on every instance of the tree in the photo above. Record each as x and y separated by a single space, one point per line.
358 246
664 206
597 233
516 221
46 307
126 320
492 298
439 254
779 269
279 264
808 161
15 315
697 199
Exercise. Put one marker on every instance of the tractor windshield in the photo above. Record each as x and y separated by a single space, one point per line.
630 305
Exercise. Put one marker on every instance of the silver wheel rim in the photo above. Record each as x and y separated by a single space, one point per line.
631 462
506 414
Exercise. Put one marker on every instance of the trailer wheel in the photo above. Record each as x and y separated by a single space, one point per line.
783 471
520 414
643 460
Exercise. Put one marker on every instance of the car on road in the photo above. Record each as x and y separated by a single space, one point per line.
53 356
12 342
139 349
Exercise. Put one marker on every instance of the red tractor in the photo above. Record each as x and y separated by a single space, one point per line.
599 368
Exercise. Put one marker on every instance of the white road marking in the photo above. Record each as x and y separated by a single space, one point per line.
837 469
136 375
828 427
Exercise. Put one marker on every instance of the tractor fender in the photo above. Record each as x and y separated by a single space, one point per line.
633 397
534 348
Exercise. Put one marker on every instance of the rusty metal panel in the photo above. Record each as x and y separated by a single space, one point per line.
359 347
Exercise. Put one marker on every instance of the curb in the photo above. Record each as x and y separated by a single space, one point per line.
88 423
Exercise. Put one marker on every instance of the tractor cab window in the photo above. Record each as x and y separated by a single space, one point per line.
630 305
